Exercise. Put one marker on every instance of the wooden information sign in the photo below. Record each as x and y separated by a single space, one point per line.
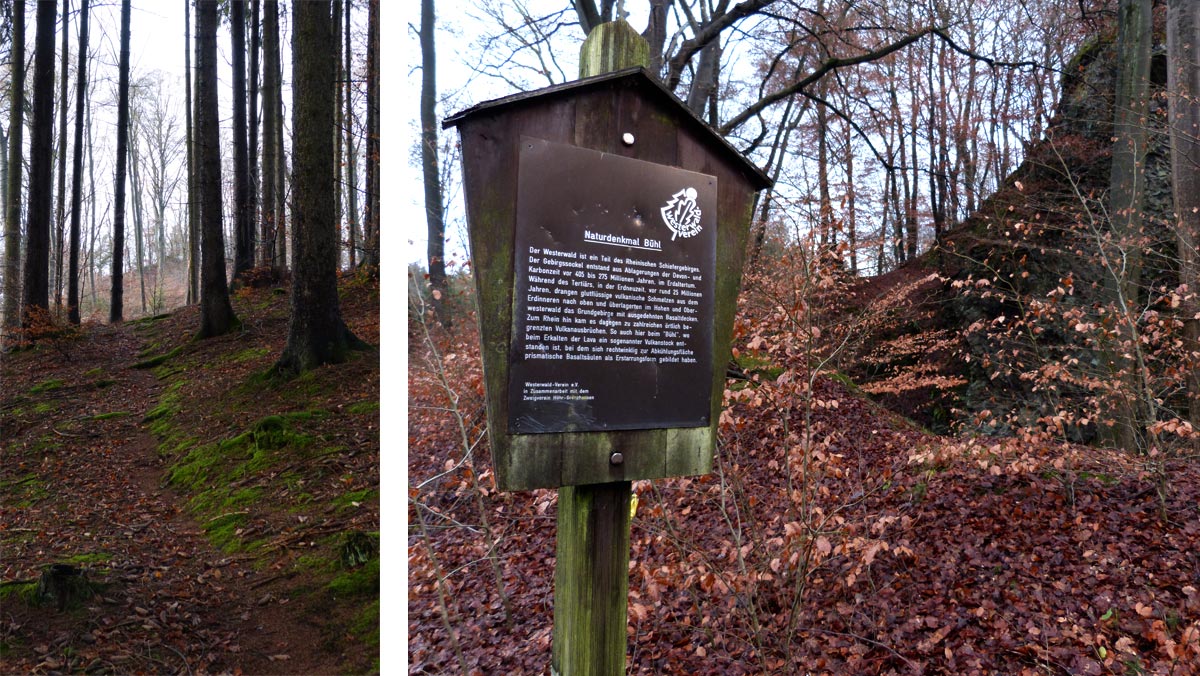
613 316
614 167
607 228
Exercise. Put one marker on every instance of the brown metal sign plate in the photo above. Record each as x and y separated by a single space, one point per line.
613 293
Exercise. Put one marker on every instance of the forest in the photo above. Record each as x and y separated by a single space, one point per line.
956 424
190 332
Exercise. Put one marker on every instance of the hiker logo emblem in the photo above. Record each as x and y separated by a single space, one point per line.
682 214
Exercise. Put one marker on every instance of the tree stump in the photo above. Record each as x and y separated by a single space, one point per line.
65 584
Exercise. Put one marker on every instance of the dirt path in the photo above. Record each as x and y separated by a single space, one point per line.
81 482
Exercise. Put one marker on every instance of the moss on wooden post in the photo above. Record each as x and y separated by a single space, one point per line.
611 47
591 571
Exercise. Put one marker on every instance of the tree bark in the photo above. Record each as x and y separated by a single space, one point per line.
77 169
656 35
216 314
281 179
371 217
340 77
138 220
434 219
851 209
36 292
351 151
270 128
12 212
92 200
1126 192
252 137
243 229
116 308
60 221
193 220
1183 88
316 332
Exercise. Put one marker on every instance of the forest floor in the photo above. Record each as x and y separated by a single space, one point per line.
223 521
833 537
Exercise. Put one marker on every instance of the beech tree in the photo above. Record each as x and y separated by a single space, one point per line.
12 215
116 308
1123 261
435 221
371 212
271 187
77 168
1183 88
61 214
351 149
316 332
216 313
243 228
36 289
193 214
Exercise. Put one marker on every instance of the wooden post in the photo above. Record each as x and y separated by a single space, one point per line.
591 571
591 579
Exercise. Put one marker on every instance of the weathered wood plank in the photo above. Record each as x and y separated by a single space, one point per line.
591 580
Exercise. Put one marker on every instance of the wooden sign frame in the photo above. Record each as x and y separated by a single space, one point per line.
630 114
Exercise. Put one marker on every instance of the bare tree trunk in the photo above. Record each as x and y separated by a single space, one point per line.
656 35
824 205
351 151
1183 87
316 332
116 310
270 128
1126 183
60 222
371 217
252 137
902 207
339 78
138 221
704 84
12 210
193 220
243 227
92 200
216 314
77 168
280 169
36 291
851 213
774 165
434 219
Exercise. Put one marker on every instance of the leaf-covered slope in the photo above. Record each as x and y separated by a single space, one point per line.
226 522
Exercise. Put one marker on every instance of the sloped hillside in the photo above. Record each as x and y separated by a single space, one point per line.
999 326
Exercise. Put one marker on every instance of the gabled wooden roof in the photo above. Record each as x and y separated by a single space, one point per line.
638 79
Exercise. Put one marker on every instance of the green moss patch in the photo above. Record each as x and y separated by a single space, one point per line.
159 417
27 592
47 386
250 354
355 498
361 581
223 530
91 558
364 407
159 360
24 491
110 416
